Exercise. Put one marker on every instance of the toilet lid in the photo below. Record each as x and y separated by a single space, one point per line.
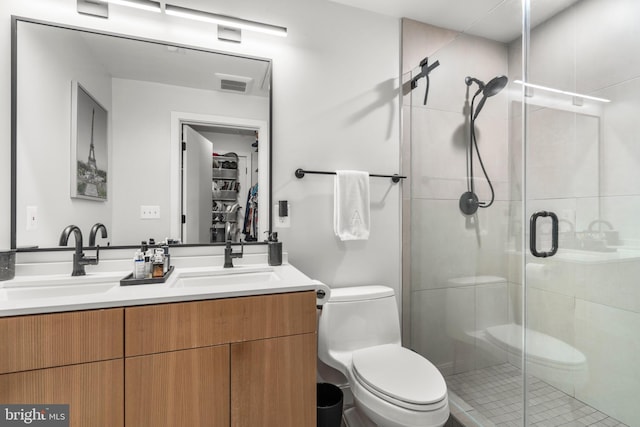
399 373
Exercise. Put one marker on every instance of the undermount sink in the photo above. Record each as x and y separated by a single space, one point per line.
35 292
235 276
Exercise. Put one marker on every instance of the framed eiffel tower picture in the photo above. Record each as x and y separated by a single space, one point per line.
89 146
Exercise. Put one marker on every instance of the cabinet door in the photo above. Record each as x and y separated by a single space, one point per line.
93 391
273 382
179 388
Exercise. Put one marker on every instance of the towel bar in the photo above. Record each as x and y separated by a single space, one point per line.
395 177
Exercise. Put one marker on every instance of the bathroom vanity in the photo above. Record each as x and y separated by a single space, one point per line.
197 358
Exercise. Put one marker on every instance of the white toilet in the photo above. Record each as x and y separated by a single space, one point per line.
359 335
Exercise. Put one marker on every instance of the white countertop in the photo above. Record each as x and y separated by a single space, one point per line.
61 292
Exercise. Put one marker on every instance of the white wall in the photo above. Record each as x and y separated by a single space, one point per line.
45 134
335 105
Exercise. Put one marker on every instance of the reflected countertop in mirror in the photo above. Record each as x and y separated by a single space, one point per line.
100 122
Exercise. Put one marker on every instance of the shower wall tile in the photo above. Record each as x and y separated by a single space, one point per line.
439 155
464 56
607 43
447 325
620 150
552 314
551 275
622 212
562 162
515 303
610 340
478 249
612 284
420 40
429 336
551 57
492 302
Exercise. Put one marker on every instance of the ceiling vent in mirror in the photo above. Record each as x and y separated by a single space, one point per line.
231 83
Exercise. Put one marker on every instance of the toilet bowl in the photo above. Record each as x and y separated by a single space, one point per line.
359 335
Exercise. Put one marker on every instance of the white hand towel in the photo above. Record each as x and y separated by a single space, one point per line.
351 217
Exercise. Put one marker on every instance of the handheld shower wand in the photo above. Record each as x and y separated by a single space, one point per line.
469 202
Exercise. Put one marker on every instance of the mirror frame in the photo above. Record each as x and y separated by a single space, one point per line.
14 132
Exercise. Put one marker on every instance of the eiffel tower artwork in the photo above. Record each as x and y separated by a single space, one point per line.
91 181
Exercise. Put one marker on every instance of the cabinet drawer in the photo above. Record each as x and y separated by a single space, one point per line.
168 327
47 340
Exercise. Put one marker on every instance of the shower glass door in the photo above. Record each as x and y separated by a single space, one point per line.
582 196
525 340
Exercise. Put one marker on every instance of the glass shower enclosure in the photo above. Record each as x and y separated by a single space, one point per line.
530 307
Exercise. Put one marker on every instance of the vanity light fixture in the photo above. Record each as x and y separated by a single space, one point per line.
148 5
227 21
564 92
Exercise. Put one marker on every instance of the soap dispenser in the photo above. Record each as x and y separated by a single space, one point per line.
274 254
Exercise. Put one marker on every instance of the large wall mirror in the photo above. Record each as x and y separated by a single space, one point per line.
151 139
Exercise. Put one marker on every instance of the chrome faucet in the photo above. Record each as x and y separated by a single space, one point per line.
79 259
229 254
94 231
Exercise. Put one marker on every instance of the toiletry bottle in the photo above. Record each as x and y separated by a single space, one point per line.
147 259
158 263
274 251
138 265
167 258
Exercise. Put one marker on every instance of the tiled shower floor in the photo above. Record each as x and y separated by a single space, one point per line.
493 397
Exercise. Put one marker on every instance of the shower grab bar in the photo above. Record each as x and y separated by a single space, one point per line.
554 234
300 174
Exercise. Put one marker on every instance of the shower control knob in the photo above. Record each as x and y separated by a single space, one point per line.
468 203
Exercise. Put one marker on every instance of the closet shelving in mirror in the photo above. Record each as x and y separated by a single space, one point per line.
224 200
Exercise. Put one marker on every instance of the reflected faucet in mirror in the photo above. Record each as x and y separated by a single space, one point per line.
79 259
610 236
94 231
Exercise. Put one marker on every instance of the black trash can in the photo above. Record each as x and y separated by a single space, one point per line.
329 408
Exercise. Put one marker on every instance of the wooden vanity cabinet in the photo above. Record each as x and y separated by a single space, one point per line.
241 362
66 358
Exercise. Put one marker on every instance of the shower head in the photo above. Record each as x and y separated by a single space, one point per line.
492 88
495 85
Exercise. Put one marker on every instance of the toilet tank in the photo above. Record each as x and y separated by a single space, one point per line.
355 318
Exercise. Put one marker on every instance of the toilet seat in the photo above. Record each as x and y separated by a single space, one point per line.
408 380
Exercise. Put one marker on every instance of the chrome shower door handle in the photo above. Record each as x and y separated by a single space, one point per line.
554 234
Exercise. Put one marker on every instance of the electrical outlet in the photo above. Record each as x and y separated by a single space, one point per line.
32 218
149 212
